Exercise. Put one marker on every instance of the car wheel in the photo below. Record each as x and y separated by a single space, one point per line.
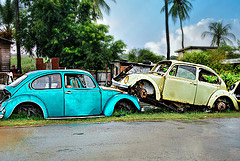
143 90
125 106
222 104
29 110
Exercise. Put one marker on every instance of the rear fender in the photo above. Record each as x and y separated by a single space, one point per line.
110 105
12 103
223 93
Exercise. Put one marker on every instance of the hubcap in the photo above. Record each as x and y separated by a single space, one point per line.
221 106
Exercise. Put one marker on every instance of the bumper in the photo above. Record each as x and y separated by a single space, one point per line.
2 113
117 84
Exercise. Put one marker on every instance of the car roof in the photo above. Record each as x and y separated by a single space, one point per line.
57 70
40 72
192 64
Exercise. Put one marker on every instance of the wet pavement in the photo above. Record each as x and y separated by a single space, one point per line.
210 140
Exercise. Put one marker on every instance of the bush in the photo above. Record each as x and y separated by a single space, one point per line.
230 78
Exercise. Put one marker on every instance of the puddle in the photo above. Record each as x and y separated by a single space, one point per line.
69 150
195 122
180 128
9 138
78 133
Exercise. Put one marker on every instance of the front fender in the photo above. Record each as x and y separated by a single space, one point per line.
109 107
12 103
222 93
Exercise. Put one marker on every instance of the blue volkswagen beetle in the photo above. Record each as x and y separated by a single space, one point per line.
62 94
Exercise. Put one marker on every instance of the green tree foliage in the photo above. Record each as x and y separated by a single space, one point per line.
101 4
214 59
66 29
7 19
210 58
230 51
179 10
139 55
219 33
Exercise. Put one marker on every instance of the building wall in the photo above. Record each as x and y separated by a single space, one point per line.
5 56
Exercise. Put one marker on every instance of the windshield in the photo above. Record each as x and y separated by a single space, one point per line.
161 67
18 81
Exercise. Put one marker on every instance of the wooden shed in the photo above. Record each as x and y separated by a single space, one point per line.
5 54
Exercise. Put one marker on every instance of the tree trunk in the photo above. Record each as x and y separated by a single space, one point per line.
182 33
167 30
17 37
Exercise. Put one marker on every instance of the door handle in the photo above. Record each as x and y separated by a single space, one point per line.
194 83
68 92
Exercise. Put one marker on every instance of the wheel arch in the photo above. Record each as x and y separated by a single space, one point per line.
154 84
111 103
222 94
30 103
13 103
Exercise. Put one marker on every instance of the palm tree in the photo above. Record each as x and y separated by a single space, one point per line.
19 64
101 4
219 33
179 10
167 30
7 19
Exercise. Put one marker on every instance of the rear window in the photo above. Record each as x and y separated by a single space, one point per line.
18 81
52 81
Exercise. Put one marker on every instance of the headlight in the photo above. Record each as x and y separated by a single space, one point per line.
126 79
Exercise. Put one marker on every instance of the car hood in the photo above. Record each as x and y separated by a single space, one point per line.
109 88
134 77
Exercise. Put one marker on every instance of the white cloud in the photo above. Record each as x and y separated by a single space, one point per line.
192 37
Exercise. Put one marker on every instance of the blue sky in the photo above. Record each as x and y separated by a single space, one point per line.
140 24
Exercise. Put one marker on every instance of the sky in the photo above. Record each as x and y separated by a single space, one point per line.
140 24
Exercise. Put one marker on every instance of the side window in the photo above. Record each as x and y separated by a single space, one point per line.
52 81
207 76
71 81
86 81
78 81
186 72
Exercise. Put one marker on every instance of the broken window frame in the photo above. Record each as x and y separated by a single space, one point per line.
192 71
207 78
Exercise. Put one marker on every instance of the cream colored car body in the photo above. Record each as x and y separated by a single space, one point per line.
182 82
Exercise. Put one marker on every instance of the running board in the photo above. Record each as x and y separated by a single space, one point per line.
74 117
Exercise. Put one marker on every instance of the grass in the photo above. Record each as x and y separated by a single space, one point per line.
28 63
145 116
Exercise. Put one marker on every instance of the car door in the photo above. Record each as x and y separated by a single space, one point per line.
208 83
48 88
82 95
180 84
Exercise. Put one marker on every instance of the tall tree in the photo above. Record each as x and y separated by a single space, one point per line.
219 33
179 10
19 66
70 33
101 4
7 19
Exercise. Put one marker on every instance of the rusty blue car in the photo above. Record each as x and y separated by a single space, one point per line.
57 94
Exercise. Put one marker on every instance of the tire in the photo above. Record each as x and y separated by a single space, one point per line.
125 106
